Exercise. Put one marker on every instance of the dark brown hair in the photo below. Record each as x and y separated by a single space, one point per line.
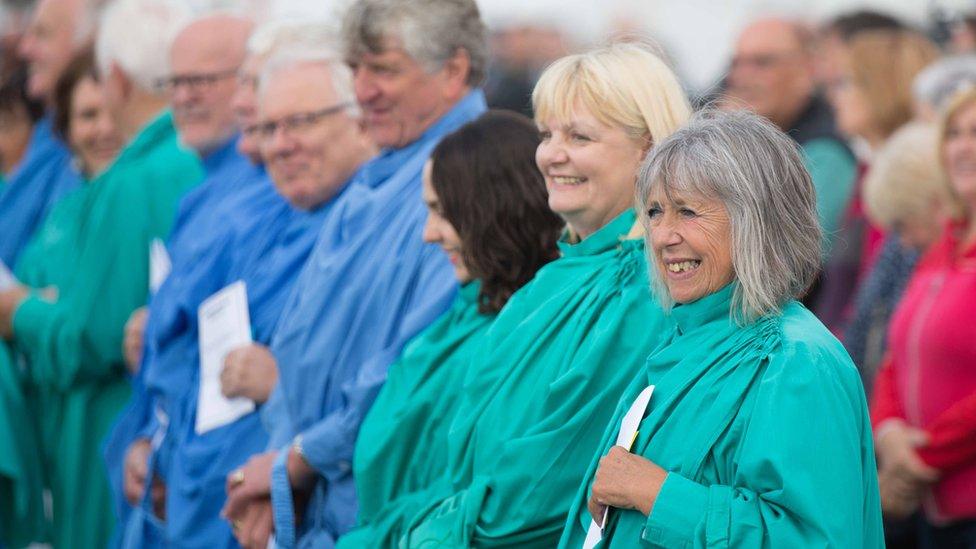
14 96
491 191
81 66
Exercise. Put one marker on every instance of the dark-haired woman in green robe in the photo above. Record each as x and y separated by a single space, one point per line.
756 433
487 209
548 376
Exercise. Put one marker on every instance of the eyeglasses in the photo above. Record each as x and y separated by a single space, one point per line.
293 123
200 81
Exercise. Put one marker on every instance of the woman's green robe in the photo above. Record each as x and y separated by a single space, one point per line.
539 393
93 251
401 448
764 431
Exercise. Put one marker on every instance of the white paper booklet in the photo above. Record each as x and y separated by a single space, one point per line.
159 265
625 437
7 278
225 325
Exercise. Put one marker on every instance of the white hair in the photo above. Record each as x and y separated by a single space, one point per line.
292 34
136 35
340 73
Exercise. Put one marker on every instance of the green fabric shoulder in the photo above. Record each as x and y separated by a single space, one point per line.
538 395
103 275
89 270
401 448
765 435
834 172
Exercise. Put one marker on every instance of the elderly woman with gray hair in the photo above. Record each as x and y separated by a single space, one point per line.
756 432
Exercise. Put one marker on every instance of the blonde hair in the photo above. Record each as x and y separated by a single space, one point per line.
623 84
884 64
960 101
906 179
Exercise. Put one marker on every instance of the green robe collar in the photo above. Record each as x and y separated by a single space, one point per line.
712 307
605 239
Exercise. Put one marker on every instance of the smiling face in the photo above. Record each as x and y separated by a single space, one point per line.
590 169
438 230
959 154
203 112
92 134
399 98
692 241
310 161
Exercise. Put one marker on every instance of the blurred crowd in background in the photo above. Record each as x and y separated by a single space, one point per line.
882 109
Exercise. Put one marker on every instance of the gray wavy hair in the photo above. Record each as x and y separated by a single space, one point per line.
430 31
758 173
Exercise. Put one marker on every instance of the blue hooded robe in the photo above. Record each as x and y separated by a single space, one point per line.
234 193
42 177
370 285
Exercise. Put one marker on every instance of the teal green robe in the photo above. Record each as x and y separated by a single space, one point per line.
401 449
538 396
94 250
764 431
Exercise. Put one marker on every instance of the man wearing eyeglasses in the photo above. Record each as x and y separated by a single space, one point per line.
371 284
207 250
772 73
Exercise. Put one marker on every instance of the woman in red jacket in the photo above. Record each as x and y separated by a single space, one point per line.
924 409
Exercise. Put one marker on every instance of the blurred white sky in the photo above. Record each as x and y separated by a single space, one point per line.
698 34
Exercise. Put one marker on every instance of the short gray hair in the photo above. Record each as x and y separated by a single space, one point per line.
938 82
136 35
430 31
758 173
289 58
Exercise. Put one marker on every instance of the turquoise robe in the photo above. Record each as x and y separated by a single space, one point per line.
94 249
402 442
538 395
764 431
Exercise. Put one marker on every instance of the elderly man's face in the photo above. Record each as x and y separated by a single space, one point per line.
202 84
309 143
692 241
399 99
49 43
771 73
245 105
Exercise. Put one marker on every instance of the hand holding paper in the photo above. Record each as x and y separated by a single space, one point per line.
224 326
625 437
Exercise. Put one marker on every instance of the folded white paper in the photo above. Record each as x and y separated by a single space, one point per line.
625 437
159 265
224 326
7 278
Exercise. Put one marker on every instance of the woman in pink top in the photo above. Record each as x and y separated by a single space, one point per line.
924 408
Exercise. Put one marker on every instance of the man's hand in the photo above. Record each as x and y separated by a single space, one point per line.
250 371
133 338
247 484
255 528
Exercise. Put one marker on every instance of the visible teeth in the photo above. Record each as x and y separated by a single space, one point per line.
682 266
563 180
